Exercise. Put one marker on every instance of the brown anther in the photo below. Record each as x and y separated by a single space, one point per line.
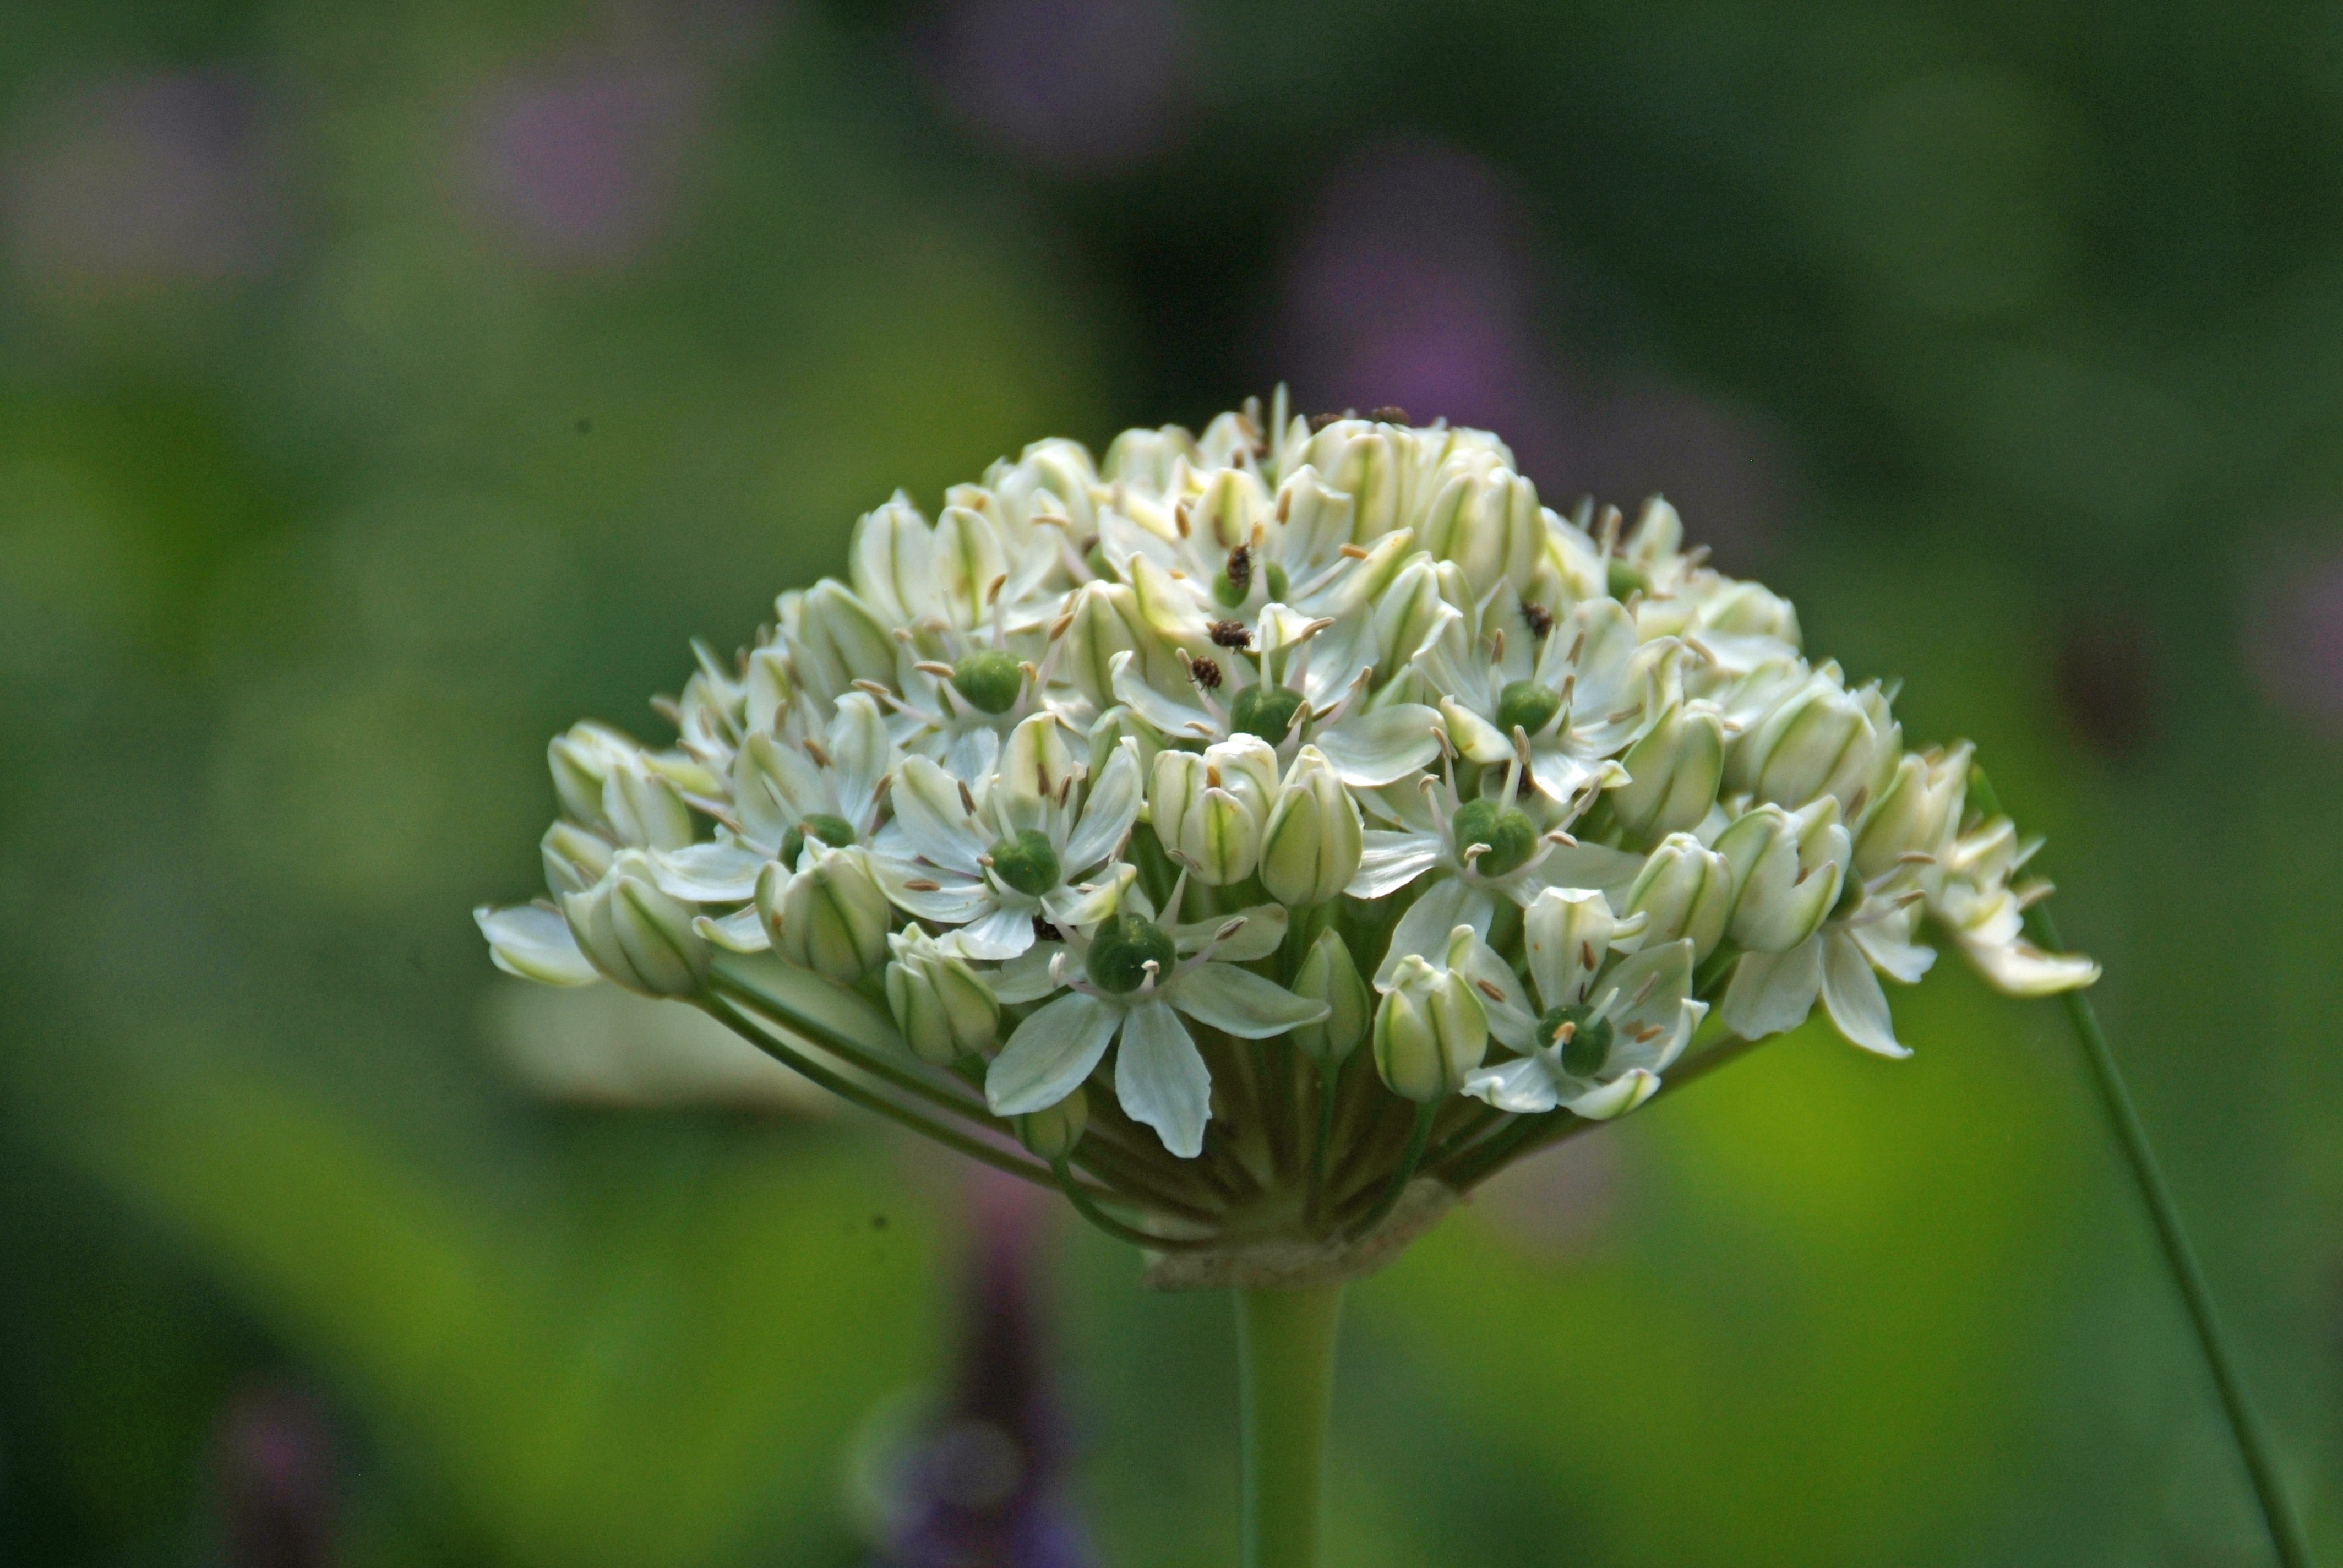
1352 552
1230 634
992 590
967 800
814 749
1650 1032
1320 421
921 885
1490 989
1212 777
1855 801
1387 415
1577 646
1180 519
1915 858
1284 505
1586 955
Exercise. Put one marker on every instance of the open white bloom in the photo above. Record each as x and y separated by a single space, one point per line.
1593 1046
1136 979
1020 849
1140 793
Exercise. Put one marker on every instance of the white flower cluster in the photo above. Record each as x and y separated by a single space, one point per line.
1184 773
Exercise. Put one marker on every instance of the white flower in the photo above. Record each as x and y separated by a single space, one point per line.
991 861
1985 915
1597 1060
1136 984
1576 689
1773 992
1476 850
1518 783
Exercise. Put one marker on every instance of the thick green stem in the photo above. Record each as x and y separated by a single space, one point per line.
1285 1373
2286 1532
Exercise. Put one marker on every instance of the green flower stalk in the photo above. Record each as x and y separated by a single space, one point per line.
1092 826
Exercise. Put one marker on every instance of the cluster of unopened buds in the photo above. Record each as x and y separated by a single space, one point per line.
1095 825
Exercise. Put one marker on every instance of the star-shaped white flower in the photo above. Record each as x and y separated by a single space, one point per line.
1129 983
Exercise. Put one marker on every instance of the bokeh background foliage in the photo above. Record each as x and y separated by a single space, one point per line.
382 385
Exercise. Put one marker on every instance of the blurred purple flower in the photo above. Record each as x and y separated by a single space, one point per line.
276 1481
1414 285
1557 1205
981 1486
578 163
2295 645
1075 86
124 185
1409 289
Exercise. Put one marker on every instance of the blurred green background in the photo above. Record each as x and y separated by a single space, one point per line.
383 385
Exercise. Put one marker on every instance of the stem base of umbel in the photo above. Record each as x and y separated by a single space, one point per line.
1299 1264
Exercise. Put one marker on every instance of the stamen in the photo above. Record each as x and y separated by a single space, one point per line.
921 885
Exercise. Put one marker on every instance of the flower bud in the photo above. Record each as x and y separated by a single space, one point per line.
644 810
1411 613
1430 1032
1821 739
635 934
942 1006
830 916
1918 812
575 858
1686 891
1487 520
1314 839
1053 1133
834 641
1328 975
1786 871
581 760
1208 809
1672 772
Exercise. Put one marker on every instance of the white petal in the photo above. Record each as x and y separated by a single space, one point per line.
1474 736
1239 1003
1261 935
1381 745
1890 946
1026 977
1002 933
1522 1086
1666 971
973 752
1563 928
1773 993
708 874
1160 1079
1077 907
741 932
929 811
1108 813
945 897
1590 866
1445 905
1851 993
1392 860
1618 1097
1051 1054
2021 969
1172 717
1512 1017
534 943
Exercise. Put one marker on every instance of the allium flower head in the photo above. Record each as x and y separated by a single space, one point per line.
1093 824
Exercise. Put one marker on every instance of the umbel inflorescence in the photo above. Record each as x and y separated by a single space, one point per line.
1114 810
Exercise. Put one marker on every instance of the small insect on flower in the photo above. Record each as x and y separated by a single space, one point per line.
1205 672
1233 635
